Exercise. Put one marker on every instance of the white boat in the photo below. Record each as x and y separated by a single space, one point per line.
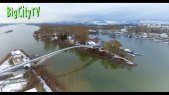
156 40
131 54
166 42
127 50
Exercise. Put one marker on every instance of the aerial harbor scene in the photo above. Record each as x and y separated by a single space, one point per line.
97 47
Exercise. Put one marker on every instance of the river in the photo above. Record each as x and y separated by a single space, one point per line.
83 72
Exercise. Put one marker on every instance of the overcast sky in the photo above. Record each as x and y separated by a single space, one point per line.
81 12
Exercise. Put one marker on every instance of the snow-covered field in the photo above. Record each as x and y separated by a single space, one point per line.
32 90
13 84
13 80
5 65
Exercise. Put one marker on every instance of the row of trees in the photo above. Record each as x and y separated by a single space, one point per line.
113 46
80 33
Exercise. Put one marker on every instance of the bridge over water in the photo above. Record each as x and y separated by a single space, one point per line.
43 58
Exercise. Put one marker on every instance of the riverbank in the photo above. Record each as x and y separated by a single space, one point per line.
106 56
5 58
50 79
12 81
30 78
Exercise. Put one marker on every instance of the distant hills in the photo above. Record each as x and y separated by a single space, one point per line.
110 22
153 22
107 22
99 22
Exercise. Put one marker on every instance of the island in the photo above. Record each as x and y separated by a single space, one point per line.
71 35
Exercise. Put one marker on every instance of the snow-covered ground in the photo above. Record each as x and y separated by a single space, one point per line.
17 82
13 84
5 65
32 90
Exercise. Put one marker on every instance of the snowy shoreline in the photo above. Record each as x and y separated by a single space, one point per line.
17 81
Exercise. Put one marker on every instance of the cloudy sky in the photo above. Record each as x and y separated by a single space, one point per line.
82 12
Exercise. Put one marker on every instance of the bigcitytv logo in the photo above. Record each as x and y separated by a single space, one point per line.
22 12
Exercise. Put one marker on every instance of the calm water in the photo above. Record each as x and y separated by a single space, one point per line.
82 72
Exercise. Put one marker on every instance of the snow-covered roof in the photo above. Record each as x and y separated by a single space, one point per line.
16 52
69 37
13 87
91 43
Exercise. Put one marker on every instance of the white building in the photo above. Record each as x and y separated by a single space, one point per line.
124 30
69 37
16 53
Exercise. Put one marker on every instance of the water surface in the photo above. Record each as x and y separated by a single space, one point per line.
83 72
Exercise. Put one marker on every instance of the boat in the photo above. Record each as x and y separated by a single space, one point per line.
132 53
137 54
9 31
156 40
137 37
130 36
166 42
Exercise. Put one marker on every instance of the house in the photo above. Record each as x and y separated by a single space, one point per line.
17 56
54 37
69 38
123 30
16 53
91 43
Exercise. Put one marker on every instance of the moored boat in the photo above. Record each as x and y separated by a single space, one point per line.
9 31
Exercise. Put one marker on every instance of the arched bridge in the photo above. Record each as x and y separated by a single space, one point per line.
44 57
